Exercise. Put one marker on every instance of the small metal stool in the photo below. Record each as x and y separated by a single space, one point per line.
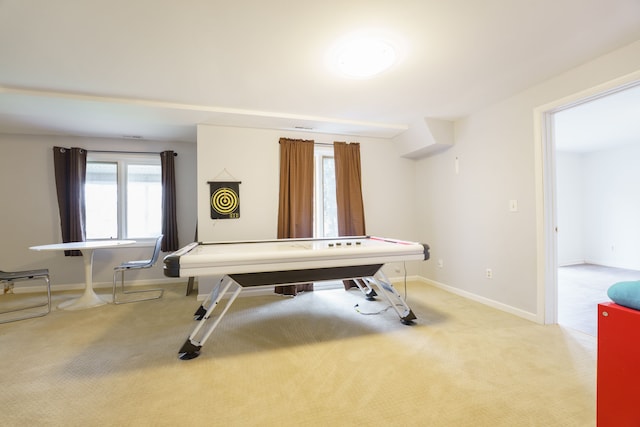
16 276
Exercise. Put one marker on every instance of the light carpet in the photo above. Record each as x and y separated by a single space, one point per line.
312 360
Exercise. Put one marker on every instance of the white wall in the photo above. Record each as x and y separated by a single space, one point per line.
30 208
466 218
599 207
252 156
612 207
570 195
466 215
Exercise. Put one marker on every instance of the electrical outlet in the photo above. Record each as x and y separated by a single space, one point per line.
489 273
440 263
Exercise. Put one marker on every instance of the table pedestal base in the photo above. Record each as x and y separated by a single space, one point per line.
87 300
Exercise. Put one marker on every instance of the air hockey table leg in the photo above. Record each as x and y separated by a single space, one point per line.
213 295
394 298
191 348
366 289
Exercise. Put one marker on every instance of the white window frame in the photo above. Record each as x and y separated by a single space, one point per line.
123 160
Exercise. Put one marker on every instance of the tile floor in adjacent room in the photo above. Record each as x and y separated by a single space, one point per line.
581 288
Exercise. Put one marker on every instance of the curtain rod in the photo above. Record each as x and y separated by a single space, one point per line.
127 152
332 144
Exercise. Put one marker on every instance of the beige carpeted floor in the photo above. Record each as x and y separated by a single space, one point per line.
312 360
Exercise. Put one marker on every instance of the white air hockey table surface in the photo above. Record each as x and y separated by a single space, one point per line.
199 259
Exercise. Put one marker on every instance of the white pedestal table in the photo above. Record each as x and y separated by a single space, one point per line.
89 298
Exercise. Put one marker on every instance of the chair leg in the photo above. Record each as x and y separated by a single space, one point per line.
128 292
28 307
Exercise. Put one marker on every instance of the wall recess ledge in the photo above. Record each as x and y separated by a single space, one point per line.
425 137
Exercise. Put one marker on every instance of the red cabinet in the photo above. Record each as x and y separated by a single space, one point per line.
618 375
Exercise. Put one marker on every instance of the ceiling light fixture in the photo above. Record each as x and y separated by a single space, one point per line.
363 56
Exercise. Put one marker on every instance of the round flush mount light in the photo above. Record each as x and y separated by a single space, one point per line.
363 56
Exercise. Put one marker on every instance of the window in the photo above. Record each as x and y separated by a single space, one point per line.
325 207
123 196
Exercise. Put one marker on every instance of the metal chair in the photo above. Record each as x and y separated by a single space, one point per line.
16 276
137 265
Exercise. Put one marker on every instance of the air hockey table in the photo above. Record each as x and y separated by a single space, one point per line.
269 263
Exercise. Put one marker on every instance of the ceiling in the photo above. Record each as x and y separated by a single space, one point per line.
154 69
606 122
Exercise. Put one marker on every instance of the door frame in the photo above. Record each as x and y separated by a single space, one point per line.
545 171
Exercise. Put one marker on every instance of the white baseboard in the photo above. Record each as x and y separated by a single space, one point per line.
570 263
38 285
486 301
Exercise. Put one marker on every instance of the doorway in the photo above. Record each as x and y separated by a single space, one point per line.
584 250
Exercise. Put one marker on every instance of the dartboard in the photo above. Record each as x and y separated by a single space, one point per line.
225 200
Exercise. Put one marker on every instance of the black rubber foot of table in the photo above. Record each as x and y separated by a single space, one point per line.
189 351
188 356
409 318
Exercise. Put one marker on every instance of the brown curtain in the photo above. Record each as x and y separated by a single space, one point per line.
349 189
349 192
295 209
70 166
169 218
